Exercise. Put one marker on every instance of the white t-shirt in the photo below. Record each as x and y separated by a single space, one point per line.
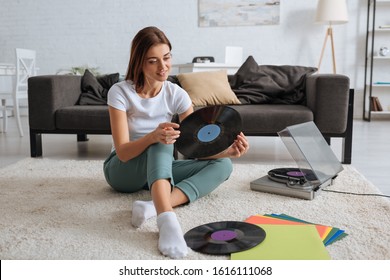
145 114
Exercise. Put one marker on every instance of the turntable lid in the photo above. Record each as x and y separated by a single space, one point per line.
309 149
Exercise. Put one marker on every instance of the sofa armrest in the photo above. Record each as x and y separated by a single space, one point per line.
328 98
46 94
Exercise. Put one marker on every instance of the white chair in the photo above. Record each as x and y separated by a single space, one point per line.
25 68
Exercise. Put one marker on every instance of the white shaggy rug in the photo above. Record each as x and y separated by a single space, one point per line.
64 209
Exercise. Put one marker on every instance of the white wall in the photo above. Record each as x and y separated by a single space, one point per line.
98 33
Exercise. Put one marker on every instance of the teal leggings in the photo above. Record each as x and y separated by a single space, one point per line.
195 178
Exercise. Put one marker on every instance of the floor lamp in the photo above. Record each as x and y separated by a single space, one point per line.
331 12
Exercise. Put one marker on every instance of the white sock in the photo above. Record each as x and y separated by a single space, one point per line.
142 211
171 241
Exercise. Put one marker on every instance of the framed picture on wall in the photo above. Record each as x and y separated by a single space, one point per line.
214 13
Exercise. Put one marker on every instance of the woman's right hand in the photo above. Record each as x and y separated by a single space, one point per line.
167 133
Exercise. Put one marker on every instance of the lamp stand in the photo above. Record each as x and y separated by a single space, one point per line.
329 33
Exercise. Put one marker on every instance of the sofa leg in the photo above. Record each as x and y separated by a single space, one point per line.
347 141
35 144
82 137
347 151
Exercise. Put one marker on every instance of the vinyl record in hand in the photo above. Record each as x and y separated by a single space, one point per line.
208 131
225 237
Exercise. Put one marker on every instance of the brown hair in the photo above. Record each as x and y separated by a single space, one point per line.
142 42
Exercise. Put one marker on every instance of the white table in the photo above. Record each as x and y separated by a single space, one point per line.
208 66
7 76
7 80
7 68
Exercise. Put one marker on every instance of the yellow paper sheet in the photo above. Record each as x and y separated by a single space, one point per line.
287 242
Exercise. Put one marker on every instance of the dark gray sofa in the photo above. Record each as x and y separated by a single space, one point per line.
52 101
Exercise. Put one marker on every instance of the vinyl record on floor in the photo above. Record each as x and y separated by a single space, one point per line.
226 237
208 131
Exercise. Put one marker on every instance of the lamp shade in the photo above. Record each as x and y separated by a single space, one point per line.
332 12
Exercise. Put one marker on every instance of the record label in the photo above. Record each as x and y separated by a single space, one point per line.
208 131
225 237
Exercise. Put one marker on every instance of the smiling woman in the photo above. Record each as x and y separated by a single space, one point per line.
141 110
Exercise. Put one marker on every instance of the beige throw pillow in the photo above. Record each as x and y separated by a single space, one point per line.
208 88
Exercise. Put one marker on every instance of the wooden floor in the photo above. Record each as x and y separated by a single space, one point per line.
371 149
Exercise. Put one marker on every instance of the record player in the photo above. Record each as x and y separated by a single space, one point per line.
317 165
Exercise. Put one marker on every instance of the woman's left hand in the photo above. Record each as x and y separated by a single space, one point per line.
239 147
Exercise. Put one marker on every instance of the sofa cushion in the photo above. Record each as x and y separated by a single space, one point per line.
94 89
208 88
83 117
270 84
269 119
